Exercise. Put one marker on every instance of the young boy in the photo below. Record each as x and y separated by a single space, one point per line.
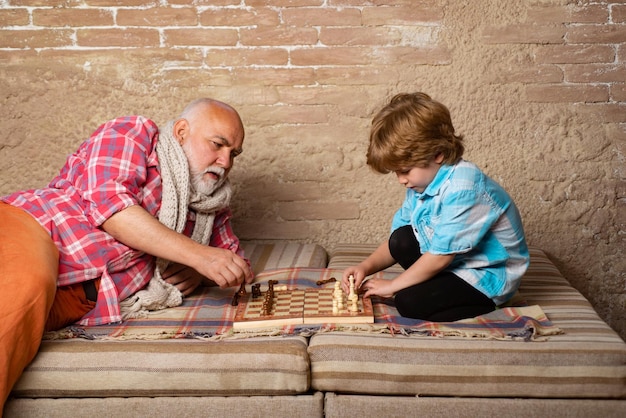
458 234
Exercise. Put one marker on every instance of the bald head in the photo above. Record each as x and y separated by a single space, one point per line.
201 108
211 135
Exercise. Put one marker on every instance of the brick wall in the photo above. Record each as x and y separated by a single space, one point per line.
579 55
536 86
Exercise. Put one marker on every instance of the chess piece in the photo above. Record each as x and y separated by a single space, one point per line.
322 282
354 304
337 291
235 300
338 296
352 290
242 289
353 298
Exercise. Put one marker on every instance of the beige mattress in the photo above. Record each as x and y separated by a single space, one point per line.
588 360
247 376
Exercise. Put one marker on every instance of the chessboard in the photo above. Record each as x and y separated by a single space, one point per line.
299 306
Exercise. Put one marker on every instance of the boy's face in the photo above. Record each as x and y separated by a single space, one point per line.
418 178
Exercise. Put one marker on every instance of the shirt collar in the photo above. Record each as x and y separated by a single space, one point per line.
443 174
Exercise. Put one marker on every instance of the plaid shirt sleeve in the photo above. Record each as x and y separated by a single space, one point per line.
115 161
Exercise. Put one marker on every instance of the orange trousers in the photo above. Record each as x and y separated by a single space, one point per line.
29 300
29 263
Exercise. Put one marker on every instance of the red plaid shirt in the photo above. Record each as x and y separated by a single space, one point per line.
115 168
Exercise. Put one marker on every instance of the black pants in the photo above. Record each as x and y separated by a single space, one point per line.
444 298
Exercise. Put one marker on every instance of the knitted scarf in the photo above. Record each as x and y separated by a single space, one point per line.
178 196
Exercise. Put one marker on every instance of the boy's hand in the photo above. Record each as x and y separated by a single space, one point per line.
380 287
359 275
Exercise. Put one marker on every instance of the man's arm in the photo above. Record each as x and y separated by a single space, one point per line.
136 228
187 279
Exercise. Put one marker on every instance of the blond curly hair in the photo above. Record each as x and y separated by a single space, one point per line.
411 131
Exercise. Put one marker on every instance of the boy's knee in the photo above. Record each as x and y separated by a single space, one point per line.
408 307
403 246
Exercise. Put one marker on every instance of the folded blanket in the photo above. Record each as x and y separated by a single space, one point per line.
208 314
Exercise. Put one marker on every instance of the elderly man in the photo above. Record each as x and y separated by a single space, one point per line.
137 218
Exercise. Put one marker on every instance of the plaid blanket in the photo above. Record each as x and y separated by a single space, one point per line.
208 314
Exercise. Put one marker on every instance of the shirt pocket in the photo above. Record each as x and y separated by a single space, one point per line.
424 229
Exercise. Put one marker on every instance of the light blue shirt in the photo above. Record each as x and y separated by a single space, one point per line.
464 212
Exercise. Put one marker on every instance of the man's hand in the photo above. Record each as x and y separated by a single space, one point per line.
225 272
136 228
183 278
223 267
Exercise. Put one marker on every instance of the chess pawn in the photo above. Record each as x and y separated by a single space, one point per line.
338 296
336 290
256 290
337 293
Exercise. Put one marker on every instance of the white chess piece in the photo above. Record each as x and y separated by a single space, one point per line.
353 297
352 290
338 296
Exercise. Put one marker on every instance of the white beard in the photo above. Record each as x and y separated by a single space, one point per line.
199 184
207 186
